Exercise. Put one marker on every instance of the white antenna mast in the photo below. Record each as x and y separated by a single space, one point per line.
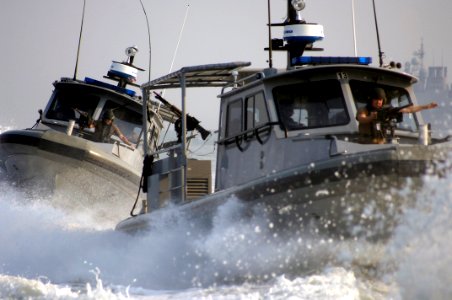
354 27
180 37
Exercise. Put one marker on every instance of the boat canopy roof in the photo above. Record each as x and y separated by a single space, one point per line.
211 75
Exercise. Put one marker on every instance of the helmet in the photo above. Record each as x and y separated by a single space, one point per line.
108 115
378 93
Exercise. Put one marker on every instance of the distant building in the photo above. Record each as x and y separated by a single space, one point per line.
432 86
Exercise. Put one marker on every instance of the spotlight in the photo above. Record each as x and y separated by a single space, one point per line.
298 5
131 51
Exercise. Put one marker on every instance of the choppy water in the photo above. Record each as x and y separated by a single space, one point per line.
47 253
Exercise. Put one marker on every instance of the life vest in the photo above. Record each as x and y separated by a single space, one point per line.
373 132
103 132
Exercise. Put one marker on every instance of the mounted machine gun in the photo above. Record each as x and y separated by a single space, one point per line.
387 119
192 122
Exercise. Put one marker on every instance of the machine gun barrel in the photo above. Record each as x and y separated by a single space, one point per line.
192 122
173 108
387 113
397 109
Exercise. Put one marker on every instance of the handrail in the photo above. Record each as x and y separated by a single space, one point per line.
248 134
243 81
174 147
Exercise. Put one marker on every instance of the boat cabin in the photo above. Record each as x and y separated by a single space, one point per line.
79 105
273 121
76 105
85 102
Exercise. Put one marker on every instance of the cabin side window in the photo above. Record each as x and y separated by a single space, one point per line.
395 97
127 120
311 105
256 111
234 116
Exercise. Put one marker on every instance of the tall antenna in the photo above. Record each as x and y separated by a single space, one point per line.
180 37
178 41
354 28
149 39
270 51
79 41
380 53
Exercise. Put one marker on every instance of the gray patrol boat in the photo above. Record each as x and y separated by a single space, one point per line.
303 171
59 158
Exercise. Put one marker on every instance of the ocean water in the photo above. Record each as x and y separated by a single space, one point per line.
49 253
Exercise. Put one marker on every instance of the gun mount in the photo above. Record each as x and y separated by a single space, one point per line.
192 122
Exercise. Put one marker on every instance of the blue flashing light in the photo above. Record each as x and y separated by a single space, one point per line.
328 60
110 86
364 60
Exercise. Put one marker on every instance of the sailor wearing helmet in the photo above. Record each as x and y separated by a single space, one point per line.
105 128
370 127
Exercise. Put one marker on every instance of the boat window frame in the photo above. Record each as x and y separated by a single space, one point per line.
361 98
124 124
305 105
231 119
255 114
68 111
259 130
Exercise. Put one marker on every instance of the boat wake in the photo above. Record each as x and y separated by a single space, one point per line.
421 244
47 253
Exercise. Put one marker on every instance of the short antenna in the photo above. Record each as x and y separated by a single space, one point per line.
79 41
380 53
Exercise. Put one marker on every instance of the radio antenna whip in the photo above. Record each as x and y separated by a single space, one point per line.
175 54
354 28
178 42
79 40
180 37
270 50
149 39
380 53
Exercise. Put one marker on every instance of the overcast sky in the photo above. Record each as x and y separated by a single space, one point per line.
39 40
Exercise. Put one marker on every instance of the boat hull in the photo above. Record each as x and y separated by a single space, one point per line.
355 196
73 173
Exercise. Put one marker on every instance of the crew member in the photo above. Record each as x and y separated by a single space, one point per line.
370 130
286 111
105 128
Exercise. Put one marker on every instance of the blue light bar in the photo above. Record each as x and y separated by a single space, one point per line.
328 60
110 86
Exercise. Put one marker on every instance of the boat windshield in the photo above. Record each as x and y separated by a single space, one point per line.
128 121
72 104
311 105
81 105
395 97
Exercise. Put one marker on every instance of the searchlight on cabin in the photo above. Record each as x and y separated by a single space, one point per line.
131 52
298 4
294 11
